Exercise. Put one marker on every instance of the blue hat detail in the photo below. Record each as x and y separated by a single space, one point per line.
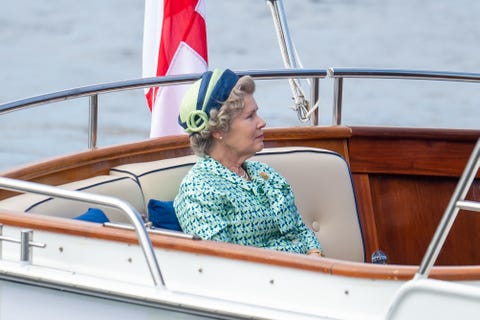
207 93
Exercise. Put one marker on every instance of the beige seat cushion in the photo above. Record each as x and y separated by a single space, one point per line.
324 194
123 188
158 179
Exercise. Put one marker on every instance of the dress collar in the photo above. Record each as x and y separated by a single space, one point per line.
220 170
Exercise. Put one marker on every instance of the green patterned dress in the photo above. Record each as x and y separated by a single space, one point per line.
217 204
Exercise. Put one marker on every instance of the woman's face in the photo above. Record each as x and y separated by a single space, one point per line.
245 137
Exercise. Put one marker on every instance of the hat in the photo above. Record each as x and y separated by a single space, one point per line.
207 93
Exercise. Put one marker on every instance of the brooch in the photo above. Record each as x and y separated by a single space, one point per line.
264 175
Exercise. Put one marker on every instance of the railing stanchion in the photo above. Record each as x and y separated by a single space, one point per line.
93 122
315 99
337 101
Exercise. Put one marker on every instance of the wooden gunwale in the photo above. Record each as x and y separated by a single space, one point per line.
376 155
95 162
411 151
236 252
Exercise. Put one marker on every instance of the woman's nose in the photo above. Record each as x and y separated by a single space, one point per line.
261 123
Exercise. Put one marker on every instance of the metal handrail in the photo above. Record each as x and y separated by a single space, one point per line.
456 203
147 83
402 74
132 214
93 91
335 73
338 74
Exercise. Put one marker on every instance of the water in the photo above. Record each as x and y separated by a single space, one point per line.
52 45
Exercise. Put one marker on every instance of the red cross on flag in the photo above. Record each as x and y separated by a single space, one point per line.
174 42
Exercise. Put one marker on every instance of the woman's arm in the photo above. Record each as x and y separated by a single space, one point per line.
201 211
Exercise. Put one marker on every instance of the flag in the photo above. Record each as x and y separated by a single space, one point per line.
174 42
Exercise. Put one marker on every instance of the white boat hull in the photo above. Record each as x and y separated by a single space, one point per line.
108 277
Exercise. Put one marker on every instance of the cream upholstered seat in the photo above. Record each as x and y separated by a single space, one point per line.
157 179
123 188
324 195
320 180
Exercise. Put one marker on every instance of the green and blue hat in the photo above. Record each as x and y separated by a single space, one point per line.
207 93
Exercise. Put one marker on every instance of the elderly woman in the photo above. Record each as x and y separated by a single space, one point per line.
226 197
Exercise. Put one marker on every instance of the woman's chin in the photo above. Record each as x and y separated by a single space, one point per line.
260 146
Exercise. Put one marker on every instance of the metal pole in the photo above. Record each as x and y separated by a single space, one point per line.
283 34
26 237
290 59
337 101
93 122
315 98
450 213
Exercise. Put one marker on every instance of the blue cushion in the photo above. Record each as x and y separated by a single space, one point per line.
93 215
162 215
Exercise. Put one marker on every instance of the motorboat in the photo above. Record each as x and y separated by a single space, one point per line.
391 207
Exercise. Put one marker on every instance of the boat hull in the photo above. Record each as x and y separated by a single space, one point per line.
400 200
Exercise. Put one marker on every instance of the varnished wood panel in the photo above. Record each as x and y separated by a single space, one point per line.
363 195
432 152
407 212
411 176
331 138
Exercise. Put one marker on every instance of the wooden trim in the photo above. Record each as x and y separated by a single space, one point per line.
231 251
411 151
441 134
95 162
99 161
307 133
331 138
366 213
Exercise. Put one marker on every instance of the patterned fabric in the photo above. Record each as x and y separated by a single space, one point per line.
215 203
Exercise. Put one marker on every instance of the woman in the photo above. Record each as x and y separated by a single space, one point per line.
225 197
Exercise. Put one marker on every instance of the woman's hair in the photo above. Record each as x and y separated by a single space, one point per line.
220 120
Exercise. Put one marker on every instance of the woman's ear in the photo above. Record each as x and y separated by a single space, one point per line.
218 135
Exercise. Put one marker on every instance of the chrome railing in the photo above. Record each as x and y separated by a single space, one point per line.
338 74
133 215
315 75
94 91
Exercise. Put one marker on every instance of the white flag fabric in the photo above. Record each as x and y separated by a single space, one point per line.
174 42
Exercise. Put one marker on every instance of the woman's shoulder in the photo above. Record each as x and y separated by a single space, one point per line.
265 171
259 166
203 165
202 172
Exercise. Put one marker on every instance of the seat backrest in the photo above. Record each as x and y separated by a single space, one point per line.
158 179
324 195
123 188
320 179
